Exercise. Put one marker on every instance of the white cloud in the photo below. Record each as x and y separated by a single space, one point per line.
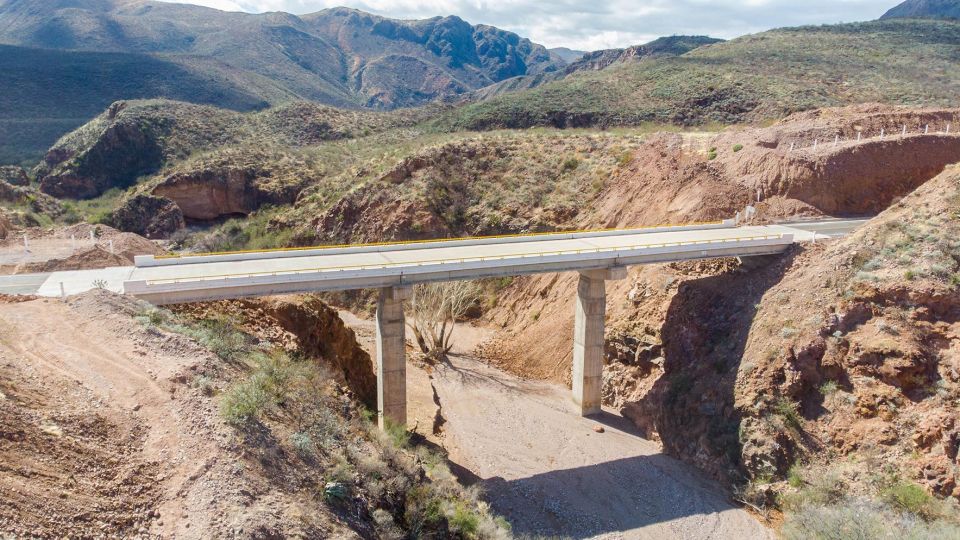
590 25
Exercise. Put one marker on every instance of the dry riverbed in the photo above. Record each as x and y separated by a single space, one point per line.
549 471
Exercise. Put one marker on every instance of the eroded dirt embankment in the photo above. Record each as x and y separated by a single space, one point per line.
109 426
303 325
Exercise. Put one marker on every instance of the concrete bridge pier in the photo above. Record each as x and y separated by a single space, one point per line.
391 357
588 337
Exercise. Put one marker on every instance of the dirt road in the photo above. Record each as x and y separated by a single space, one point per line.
545 469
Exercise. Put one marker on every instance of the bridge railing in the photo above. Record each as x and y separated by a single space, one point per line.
230 256
787 238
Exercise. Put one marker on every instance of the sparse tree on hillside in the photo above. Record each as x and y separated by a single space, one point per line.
435 308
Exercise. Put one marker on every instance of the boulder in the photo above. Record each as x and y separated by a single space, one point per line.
149 216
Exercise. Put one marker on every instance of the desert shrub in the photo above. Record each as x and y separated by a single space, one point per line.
828 388
424 511
464 520
794 478
220 336
737 147
787 411
570 164
910 497
242 403
302 443
862 519
397 433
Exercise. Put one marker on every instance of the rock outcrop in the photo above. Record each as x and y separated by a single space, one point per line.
209 193
148 216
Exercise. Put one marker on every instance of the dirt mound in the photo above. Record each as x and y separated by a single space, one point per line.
75 247
301 324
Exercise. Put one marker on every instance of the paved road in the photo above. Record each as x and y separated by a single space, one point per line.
194 278
22 284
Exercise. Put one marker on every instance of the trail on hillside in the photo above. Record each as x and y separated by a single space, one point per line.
547 471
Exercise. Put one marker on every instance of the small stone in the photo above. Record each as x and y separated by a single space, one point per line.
137 407
598 429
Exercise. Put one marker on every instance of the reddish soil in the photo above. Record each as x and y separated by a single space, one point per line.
106 432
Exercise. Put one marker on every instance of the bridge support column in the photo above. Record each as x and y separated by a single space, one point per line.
588 337
391 357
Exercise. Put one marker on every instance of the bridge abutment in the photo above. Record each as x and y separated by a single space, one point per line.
391 357
588 337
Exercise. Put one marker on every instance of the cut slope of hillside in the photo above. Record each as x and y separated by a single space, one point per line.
749 79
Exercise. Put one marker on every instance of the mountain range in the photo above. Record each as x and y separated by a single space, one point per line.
65 61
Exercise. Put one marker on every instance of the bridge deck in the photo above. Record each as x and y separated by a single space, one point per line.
251 274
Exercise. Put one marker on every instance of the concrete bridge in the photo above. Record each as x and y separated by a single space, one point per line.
598 256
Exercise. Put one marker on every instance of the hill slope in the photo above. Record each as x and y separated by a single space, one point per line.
752 78
925 9
340 57
49 92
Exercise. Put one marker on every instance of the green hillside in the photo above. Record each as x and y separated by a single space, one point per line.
753 78
47 93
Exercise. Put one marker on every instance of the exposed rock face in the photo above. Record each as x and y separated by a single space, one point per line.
223 191
841 175
148 216
306 325
14 176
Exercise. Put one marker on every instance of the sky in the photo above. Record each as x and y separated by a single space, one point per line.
598 24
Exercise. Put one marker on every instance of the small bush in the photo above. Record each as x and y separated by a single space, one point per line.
794 478
302 443
737 148
712 155
398 434
243 402
787 410
828 388
570 164
424 511
464 520
911 498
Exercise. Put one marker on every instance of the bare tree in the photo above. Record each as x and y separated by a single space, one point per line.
435 308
